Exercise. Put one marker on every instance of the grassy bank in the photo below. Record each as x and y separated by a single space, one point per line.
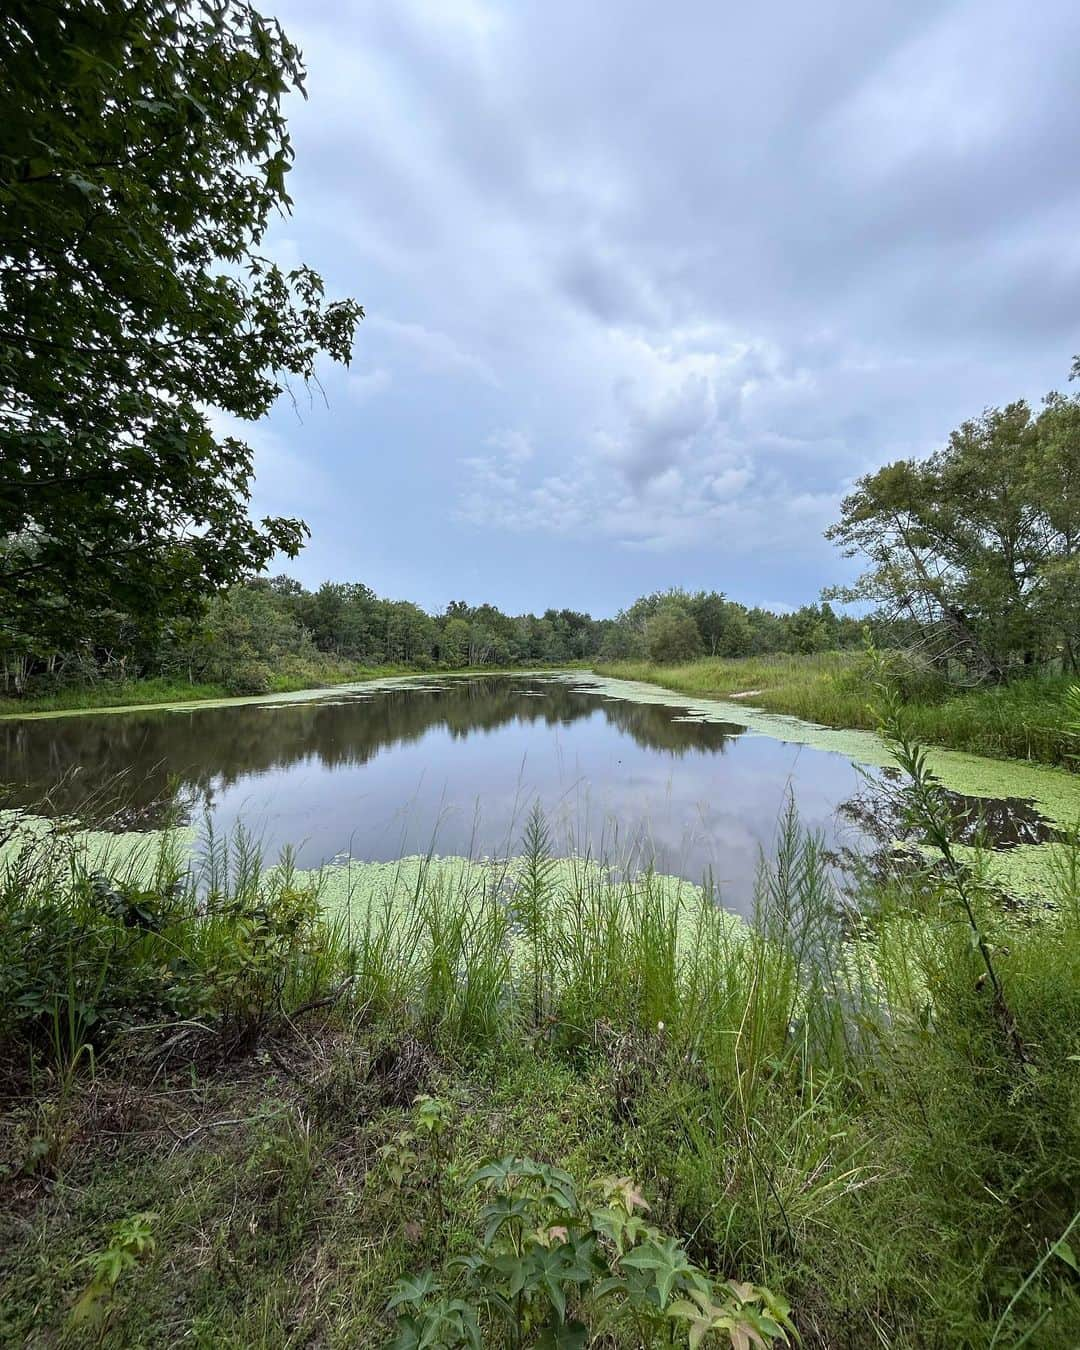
239 1107
1024 720
160 689
111 694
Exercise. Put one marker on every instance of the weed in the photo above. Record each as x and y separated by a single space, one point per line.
131 1241
555 1269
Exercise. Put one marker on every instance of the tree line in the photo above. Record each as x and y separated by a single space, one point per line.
258 628
143 152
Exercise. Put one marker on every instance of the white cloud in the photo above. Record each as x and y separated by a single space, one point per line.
512 445
288 481
719 502
368 385
434 350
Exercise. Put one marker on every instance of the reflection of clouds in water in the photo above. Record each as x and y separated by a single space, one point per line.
719 820
457 771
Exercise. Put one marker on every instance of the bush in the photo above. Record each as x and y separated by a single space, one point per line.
550 1257
248 677
86 956
78 965
907 671
672 635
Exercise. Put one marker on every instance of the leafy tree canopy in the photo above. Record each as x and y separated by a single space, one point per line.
143 151
979 545
672 635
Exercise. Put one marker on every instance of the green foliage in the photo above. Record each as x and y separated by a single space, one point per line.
528 905
672 635
977 546
907 671
87 956
74 959
251 951
274 634
929 813
143 151
555 1269
131 1241
1025 719
826 1102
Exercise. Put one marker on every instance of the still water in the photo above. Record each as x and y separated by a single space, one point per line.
451 766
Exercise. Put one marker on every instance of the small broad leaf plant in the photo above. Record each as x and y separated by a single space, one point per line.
555 1269
130 1241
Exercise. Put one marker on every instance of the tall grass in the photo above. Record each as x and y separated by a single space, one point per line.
1027 719
820 1099
465 954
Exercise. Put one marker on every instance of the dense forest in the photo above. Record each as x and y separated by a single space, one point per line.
258 628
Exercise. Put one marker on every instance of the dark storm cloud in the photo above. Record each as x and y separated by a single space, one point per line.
707 261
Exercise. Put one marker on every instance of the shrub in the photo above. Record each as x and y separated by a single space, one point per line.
78 965
87 955
248 677
672 635
555 1268
904 669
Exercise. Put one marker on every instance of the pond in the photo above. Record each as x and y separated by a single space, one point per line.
453 766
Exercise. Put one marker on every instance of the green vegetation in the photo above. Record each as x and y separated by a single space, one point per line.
545 1244
456 1103
245 1106
977 548
125 695
143 153
1025 719
141 693
265 634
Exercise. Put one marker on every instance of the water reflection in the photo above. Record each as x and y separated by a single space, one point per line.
190 756
880 814
452 766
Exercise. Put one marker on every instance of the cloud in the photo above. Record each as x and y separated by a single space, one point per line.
513 445
669 280
719 498
288 480
370 384
434 350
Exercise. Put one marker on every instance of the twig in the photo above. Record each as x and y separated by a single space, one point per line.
325 1001
211 1125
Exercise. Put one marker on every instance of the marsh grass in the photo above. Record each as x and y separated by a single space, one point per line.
820 1100
1026 719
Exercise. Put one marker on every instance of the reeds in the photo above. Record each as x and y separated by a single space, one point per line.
819 1097
1025 719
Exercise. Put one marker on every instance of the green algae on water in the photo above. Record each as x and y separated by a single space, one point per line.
1056 791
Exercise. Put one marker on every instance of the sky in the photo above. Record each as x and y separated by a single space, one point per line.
648 286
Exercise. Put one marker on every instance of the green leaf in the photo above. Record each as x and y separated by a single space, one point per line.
84 185
413 1290
501 1211
665 1261
501 1173
567 1336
